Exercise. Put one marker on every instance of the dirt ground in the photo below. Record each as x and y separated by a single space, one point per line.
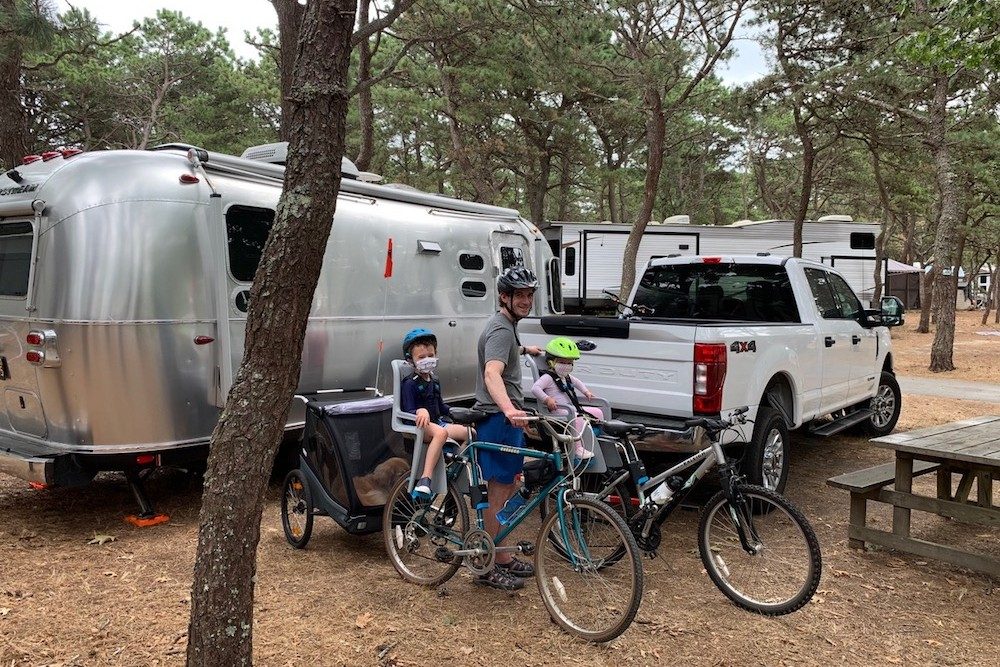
67 601
976 356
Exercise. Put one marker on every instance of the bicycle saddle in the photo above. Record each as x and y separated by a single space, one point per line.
618 429
466 416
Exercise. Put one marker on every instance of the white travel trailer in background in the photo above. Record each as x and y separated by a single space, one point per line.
592 253
124 280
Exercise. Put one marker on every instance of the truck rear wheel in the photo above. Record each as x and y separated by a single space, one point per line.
765 461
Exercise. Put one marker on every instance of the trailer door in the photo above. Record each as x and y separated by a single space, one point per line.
247 228
18 376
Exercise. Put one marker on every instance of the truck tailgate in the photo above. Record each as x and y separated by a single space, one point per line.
633 365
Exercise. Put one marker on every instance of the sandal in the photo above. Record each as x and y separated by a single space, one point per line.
499 578
518 568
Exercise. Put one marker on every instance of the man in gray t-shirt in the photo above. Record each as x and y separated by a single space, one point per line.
498 392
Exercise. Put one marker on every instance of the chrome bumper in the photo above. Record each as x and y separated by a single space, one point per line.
36 469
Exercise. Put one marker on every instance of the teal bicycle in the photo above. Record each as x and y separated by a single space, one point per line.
428 541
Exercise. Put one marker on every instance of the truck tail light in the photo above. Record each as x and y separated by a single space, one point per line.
709 376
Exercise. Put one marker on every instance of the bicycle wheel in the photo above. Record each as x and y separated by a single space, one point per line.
584 594
414 530
783 570
296 509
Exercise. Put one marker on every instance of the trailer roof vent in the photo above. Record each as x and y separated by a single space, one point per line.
835 218
655 222
277 153
678 220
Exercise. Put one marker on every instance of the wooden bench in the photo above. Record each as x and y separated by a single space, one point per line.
865 484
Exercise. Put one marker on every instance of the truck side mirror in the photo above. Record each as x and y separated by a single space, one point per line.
892 311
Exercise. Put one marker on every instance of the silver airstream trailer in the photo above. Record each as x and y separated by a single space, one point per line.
124 279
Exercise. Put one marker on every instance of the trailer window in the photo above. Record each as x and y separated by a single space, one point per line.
570 261
471 261
247 228
15 258
473 289
725 292
510 257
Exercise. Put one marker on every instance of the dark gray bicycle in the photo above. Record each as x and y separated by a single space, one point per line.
757 547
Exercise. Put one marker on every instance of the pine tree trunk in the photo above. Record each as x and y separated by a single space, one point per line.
943 295
655 137
290 17
247 435
805 188
366 114
926 301
13 122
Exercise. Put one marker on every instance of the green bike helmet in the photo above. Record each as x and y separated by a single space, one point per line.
562 348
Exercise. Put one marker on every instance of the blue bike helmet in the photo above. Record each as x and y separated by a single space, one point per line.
418 335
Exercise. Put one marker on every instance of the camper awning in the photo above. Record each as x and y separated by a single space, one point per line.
892 266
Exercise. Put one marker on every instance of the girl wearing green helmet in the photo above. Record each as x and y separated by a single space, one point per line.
556 389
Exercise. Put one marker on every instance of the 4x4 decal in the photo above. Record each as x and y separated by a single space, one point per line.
743 346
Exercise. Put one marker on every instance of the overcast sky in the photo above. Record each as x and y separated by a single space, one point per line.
247 15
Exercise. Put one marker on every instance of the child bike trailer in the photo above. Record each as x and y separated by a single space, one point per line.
349 462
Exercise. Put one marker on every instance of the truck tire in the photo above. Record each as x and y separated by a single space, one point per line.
885 407
765 461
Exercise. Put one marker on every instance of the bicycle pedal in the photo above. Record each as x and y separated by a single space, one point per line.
444 554
527 548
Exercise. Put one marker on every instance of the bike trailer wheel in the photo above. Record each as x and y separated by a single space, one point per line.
296 509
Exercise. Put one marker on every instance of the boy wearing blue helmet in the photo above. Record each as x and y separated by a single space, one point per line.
420 394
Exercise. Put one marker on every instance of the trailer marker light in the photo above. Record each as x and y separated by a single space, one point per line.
35 338
50 155
35 357
38 486
189 179
145 459
203 340
711 260
28 159
70 152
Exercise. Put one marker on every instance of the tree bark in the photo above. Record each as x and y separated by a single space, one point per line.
656 131
290 16
926 301
13 121
943 296
366 113
247 435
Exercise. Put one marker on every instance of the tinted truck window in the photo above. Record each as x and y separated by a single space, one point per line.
726 292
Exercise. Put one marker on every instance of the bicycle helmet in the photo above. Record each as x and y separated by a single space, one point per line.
418 335
515 278
561 348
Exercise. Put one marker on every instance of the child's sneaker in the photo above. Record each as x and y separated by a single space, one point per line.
423 488
582 453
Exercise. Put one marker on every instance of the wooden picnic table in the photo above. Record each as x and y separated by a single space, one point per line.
969 449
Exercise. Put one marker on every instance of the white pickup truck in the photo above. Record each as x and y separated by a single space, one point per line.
704 335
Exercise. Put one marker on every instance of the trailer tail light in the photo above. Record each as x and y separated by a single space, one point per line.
35 338
189 179
28 159
145 459
50 155
36 357
709 376
711 260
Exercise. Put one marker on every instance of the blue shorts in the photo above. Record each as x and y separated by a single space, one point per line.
498 466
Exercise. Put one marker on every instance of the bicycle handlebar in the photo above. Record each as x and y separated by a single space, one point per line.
714 426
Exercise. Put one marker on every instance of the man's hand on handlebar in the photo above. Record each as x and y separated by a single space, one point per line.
518 418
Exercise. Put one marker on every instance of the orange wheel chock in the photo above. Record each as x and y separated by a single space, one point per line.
140 522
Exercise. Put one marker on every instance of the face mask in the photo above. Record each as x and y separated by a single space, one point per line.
426 365
562 370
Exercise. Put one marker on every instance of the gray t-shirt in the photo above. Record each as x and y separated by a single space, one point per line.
499 342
